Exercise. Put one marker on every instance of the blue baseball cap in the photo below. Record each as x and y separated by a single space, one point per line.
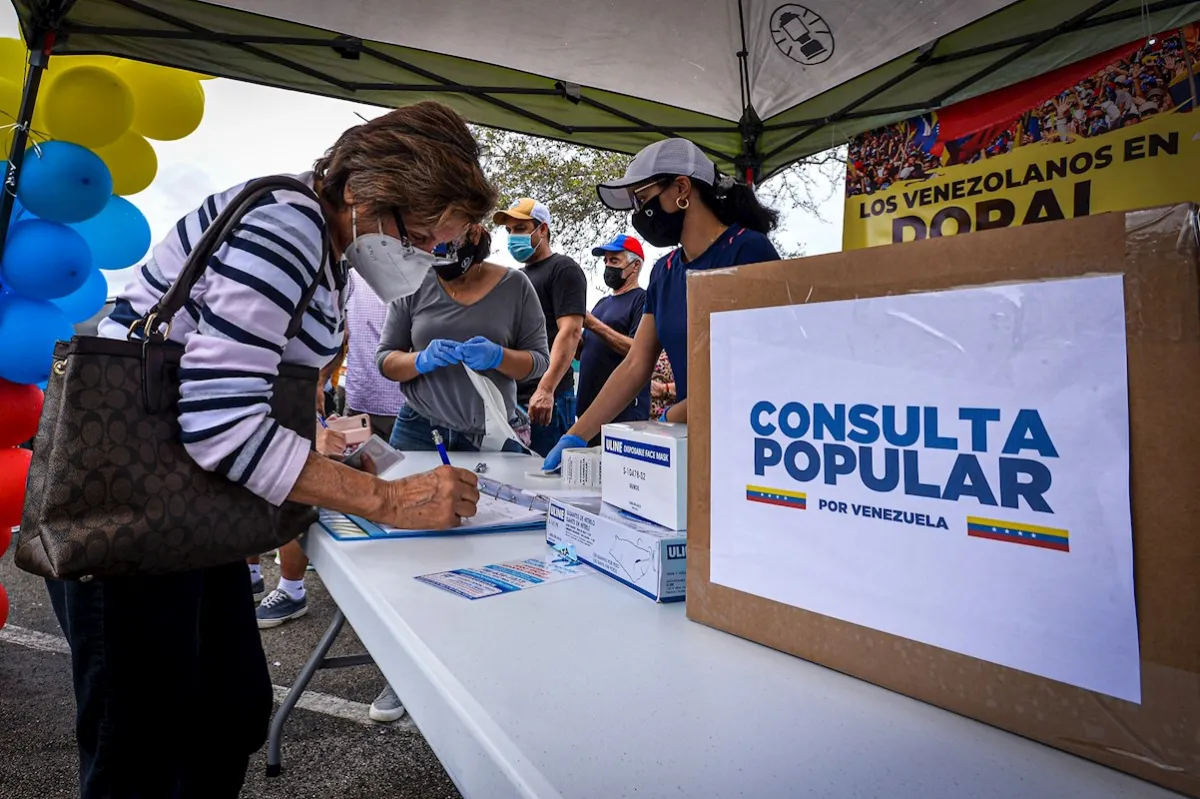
621 243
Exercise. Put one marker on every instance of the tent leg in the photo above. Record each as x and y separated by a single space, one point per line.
38 58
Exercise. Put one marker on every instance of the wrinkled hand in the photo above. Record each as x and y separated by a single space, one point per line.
481 354
553 461
330 443
541 407
440 352
434 500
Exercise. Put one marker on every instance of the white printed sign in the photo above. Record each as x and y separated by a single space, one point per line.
950 467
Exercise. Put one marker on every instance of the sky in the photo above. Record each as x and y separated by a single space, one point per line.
249 131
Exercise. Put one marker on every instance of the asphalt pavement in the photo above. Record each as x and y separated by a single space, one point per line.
329 750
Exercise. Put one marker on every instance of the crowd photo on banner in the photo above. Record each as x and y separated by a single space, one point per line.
1105 93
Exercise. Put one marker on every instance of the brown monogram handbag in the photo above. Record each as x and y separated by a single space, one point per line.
111 490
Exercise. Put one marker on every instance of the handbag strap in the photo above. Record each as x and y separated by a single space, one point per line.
163 312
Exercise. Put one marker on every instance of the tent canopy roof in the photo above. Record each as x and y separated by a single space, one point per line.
756 83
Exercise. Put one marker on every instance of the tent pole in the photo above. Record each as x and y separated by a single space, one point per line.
39 56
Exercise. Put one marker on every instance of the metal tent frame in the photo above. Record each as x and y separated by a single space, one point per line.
1025 38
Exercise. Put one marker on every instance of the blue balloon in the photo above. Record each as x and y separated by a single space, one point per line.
45 260
64 182
81 305
119 236
28 330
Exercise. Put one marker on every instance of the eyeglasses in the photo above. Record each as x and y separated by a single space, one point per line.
639 199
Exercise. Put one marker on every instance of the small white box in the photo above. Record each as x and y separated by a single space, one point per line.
650 559
645 470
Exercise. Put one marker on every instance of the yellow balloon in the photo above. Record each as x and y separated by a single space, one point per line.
132 161
14 55
166 105
10 103
88 105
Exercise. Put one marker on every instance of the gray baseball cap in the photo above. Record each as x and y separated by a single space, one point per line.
666 157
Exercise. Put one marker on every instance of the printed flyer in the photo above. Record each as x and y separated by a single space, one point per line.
504 578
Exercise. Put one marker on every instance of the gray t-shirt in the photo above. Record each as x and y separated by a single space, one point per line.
510 315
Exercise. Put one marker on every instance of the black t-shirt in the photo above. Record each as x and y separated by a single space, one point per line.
562 288
623 313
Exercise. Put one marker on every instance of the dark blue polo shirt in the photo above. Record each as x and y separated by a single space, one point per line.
623 313
667 295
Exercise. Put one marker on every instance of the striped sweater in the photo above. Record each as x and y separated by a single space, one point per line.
232 329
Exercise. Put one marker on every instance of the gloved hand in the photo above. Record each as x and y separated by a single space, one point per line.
440 352
481 354
553 461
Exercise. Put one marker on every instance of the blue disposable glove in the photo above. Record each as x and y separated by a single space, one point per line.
662 417
481 354
553 461
440 352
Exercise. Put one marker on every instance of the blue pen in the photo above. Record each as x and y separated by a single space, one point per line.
441 447
321 419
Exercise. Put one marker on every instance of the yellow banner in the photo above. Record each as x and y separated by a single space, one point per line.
1153 162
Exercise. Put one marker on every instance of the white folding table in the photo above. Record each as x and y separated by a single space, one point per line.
585 688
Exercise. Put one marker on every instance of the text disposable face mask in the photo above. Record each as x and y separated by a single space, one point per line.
392 267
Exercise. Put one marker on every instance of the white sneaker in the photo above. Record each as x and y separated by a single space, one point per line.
386 708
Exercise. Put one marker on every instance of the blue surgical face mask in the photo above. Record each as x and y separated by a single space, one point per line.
521 247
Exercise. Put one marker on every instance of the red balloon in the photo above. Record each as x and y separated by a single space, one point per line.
3 607
22 408
14 469
5 538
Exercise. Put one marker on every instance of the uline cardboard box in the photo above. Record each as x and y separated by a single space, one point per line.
645 470
650 559
1154 253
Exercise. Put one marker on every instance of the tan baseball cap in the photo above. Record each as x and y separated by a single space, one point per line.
524 208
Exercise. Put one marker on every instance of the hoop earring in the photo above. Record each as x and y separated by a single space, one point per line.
683 203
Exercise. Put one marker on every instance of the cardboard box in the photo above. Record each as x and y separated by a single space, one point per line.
645 470
1155 252
651 560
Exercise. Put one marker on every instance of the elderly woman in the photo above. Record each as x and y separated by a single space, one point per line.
410 178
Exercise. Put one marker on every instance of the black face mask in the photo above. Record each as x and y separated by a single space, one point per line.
465 257
657 227
614 277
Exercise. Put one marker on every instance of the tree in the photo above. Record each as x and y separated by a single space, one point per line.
564 176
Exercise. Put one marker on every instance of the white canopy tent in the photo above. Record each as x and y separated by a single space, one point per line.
758 84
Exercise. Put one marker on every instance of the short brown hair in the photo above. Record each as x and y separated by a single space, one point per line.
420 159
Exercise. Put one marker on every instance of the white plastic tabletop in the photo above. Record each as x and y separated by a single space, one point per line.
585 688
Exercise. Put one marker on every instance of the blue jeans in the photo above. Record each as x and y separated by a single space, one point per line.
187 639
544 437
414 433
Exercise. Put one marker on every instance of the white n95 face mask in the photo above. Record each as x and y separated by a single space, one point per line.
392 267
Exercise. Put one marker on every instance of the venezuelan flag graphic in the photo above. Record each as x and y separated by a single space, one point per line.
1014 533
777 496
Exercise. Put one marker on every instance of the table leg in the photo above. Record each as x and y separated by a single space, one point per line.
274 767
